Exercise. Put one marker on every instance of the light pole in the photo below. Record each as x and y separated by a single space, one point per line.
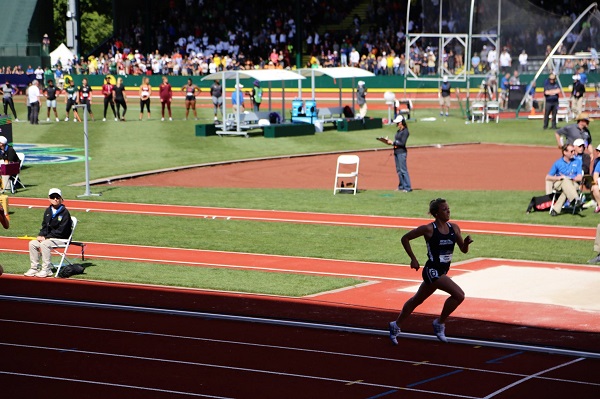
87 193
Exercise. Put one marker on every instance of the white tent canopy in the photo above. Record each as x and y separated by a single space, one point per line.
62 52
262 75
338 73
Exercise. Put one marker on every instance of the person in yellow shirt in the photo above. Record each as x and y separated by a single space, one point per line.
217 61
390 63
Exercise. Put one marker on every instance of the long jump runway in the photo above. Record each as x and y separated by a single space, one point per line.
148 348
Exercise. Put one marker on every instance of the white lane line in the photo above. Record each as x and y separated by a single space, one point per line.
289 348
109 384
230 368
506 388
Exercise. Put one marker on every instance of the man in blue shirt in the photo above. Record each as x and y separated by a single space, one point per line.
565 175
551 92
237 99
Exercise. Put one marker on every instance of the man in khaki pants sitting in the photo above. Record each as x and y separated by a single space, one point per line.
56 229
565 175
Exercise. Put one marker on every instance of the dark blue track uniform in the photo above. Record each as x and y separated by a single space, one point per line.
440 248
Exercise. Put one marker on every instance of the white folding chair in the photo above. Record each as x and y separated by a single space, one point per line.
61 250
347 167
564 110
493 110
477 110
14 180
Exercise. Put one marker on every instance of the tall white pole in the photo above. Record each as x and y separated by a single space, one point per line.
87 193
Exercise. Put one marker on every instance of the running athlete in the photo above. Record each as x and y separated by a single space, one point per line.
145 91
120 98
85 96
71 100
51 92
190 98
107 92
165 91
440 237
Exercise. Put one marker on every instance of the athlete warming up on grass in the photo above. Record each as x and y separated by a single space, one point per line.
440 237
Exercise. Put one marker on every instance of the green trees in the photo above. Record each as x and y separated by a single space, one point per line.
96 22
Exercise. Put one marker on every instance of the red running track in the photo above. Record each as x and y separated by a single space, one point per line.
50 349
513 229
124 354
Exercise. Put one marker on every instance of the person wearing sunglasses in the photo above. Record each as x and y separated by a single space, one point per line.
565 176
55 231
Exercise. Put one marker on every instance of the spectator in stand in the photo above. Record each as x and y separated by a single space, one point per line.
51 92
216 94
109 98
145 92
476 63
354 58
120 98
551 92
523 61
505 61
7 90
190 90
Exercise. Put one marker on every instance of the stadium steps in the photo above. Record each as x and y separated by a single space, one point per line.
347 23
15 21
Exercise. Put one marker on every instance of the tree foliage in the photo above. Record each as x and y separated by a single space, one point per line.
96 22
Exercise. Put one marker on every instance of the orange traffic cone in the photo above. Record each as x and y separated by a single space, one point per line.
532 110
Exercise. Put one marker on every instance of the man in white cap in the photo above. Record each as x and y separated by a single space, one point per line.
237 99
445 96
7 154
400 154
56 229
361 99
577 95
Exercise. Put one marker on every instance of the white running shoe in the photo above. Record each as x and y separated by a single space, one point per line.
31 272
67 119
170 119
162 119
116 119
44 273
16 119
439 330
103 119
394 332
57 120
47 119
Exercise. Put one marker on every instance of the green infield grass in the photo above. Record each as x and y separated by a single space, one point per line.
134 146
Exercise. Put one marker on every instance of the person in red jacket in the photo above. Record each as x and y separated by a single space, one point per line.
107 92
166 95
